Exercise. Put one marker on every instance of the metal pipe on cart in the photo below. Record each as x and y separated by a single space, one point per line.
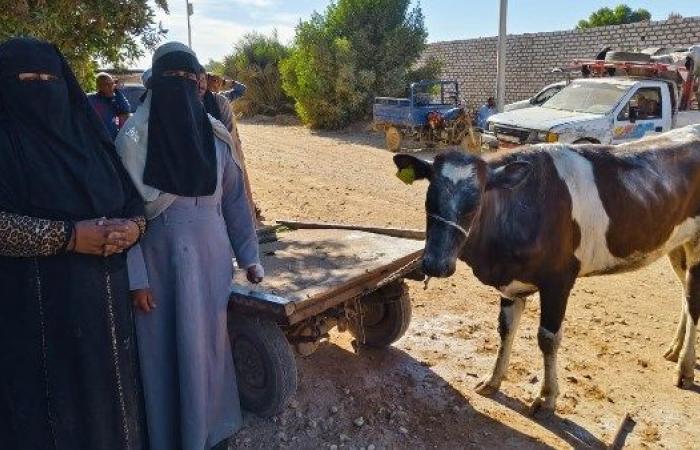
501 57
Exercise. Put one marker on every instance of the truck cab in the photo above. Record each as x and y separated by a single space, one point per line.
606 110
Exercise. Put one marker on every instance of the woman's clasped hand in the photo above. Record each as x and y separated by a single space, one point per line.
103 237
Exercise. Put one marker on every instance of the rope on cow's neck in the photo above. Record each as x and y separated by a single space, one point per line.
450 223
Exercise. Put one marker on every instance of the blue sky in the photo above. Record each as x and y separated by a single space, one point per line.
217 24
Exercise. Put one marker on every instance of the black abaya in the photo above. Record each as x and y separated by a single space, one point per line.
68 375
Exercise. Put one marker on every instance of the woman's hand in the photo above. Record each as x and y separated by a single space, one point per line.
143 300
91 237
122 234
255 273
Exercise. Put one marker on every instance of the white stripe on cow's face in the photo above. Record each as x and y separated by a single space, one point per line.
586 209
456 173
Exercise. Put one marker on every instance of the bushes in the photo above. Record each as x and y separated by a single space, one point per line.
342 59
255 63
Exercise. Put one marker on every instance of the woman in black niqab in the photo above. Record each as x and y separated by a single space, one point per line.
67 211
181 157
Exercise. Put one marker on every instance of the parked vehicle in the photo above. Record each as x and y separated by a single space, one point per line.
606 110
538 99
431 115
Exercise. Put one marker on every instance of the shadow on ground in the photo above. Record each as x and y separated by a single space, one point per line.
388 399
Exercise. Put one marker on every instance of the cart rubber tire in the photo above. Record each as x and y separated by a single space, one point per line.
387 315
393 139
266 370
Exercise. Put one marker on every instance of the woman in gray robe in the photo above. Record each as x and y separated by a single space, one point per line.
180 274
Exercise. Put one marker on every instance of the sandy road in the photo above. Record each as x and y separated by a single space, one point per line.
419 393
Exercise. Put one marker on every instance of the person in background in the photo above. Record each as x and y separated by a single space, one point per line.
485 112
694 54
181 162
215 83
236 91
68 370
220 108
110 104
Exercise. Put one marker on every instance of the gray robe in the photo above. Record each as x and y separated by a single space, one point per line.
186 364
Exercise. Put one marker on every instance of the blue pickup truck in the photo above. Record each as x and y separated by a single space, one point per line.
431 115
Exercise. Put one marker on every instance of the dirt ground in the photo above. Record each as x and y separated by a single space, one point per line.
419 394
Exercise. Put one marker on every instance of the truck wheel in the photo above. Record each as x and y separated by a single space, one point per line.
385 316
393 139
265 367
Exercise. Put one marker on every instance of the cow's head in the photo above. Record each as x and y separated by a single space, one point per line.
458 182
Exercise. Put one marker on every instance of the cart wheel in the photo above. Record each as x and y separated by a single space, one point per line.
385 316
393 139
265 367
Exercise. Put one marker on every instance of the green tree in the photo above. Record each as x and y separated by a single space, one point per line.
354 51
112 31
255 62
617 16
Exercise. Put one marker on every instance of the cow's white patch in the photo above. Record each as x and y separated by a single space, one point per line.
517 289
511 317
683 232
588 212
586 209
683 135
456 173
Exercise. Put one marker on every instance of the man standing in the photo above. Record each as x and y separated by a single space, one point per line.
110 104
220 108
485 112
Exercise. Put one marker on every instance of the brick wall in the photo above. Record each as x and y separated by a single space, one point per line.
532 56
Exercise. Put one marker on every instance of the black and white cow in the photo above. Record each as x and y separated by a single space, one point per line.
536 218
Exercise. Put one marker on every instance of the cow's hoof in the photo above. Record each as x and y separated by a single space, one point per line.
684 381
672 354
486 387
541 408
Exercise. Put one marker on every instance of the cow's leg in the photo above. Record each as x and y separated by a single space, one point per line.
508 321
686 360
553 299
680 267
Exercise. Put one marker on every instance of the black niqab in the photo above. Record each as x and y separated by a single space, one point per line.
59 162
181 156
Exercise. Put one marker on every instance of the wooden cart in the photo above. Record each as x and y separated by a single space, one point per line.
317 277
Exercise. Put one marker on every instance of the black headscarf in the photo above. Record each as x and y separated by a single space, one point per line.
56 159
181 153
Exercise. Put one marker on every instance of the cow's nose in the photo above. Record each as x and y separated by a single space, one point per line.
438 267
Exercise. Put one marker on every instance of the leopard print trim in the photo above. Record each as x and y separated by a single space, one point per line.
23 236
141 223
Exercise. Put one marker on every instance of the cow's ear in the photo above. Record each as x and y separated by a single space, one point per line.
508 176
412 168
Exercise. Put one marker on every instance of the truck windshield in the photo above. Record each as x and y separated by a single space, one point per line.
594 98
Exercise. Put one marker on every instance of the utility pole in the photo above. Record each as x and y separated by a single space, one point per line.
501 57
190 11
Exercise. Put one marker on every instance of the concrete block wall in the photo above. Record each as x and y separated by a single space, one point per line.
532 56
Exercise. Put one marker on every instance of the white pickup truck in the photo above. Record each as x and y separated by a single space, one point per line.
607 110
